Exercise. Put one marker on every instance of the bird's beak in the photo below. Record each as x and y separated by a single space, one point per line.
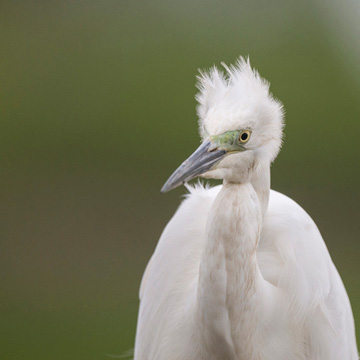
201 161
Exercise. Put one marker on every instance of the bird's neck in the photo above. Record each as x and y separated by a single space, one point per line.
229 278
260 180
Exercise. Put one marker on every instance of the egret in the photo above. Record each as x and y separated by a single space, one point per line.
240 271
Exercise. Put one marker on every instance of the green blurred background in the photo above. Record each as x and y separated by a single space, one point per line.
97 109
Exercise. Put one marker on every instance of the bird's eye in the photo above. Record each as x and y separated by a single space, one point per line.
244 136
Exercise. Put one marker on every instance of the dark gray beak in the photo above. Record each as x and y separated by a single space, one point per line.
201 161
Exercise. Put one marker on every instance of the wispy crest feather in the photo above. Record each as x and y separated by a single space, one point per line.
238 98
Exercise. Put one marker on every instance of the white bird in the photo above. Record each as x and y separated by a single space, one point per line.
241 271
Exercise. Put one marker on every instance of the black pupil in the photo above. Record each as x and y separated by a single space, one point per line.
244 136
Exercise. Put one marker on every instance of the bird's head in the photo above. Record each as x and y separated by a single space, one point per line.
240 124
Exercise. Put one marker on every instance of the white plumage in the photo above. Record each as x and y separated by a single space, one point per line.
241 271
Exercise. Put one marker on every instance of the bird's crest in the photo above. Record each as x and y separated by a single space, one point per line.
238 98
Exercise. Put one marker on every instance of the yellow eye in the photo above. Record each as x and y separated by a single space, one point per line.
244 136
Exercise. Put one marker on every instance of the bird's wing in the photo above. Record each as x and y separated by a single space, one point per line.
293 256
169 285
292 253
183 236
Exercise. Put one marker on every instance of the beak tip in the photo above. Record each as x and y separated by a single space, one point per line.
168 186
165 188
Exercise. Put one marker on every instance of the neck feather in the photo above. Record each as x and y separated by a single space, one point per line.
260 180
229 276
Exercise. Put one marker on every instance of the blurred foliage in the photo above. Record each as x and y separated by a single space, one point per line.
97 108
